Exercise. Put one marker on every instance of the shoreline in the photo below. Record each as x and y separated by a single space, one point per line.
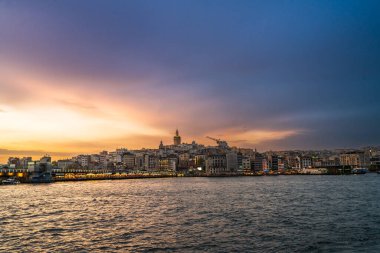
126 177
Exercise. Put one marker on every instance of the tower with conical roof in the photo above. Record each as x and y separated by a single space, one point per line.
161 145
177 138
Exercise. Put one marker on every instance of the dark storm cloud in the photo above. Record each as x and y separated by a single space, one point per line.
311 65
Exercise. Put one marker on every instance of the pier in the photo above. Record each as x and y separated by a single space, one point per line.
58 175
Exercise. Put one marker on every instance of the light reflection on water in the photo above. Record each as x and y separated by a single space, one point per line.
262 214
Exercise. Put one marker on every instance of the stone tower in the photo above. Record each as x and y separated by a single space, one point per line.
177 138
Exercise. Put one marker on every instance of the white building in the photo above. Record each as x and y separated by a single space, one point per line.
216 164
306 162
246 164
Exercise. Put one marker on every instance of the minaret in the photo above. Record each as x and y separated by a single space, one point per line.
161 145
177 138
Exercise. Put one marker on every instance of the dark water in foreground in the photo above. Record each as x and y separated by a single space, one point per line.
245 214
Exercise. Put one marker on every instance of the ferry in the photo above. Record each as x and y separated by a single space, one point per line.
359 171
10 181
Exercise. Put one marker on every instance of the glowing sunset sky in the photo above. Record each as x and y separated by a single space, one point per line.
83 76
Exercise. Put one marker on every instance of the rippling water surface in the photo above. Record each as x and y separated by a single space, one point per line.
241 214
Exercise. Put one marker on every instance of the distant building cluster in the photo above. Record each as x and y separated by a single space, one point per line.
220 159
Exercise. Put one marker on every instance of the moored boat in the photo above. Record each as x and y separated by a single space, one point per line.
10 181
359 171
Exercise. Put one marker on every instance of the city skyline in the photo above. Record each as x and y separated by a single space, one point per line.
174 144
79 78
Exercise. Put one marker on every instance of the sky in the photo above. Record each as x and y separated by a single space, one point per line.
84 76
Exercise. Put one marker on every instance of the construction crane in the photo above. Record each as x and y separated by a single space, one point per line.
221 143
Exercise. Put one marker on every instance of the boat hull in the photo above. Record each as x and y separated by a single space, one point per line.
10 182
359 171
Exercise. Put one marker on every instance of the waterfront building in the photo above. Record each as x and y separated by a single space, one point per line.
119 154
239 157
103 159
94 165
306 162
232 162
316 162
265 164
183 161
246 165
272 161
167 164
84 160
331 162
293 161
95 158
281 164
150 162
258 162
139 161
128 160
173 164
111 157
354 159
375 162
63 164
216 164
